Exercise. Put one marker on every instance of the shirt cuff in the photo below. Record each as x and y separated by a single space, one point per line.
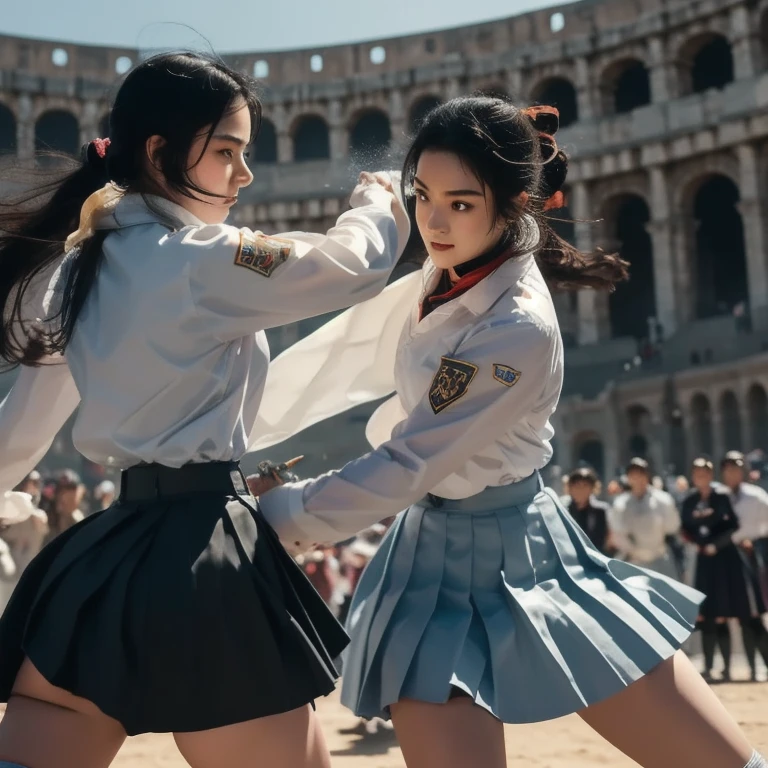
283 509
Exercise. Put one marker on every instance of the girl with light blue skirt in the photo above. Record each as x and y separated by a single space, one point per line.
486 604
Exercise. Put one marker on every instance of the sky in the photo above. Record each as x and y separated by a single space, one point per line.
236 25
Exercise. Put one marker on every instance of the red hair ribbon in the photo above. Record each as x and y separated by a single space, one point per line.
546 120
101 146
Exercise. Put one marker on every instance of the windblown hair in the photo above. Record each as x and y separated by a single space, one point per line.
176 96
510 151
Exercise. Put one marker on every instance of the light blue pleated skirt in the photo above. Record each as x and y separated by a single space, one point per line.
503 597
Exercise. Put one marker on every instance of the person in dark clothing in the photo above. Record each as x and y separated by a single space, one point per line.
590 514
709 522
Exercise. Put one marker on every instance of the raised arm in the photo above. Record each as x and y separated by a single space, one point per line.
242 281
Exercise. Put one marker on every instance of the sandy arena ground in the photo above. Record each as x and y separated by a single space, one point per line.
557 744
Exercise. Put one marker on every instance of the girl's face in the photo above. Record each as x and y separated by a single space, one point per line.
222 168
701 477
454 211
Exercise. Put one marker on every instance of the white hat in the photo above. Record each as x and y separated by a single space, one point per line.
103 488
16 507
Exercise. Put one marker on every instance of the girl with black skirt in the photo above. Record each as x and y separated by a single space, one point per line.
709 522
175 609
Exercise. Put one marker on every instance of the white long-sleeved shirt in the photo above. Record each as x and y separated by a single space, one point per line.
640 525
169 359
750 503
476 380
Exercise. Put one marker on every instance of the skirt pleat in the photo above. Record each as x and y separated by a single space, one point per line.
176 614
510 604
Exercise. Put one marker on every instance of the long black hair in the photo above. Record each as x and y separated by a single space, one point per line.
510 151
173 95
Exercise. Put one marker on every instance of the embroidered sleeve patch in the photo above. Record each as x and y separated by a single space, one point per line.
262 254
506 375
451 382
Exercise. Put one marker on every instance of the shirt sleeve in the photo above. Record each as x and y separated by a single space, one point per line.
35 409
242 281
476 395
671 515
618 529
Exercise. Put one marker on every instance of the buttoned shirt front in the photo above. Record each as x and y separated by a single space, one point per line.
476 382
750 503
640 524
168 356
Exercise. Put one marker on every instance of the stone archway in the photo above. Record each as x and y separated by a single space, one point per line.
264 149
7 130
57 131
625 85
701 425
561 93
369 137
757 410
311 139
730 420
420 109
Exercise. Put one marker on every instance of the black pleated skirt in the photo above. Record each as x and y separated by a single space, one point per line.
175 609
730 583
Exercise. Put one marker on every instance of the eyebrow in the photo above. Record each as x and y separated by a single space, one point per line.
230 137
453 192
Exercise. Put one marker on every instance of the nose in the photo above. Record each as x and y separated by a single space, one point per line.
437 221
245 175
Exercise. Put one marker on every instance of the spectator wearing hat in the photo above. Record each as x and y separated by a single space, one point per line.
642 520
750 503
65 506
590 514
710 522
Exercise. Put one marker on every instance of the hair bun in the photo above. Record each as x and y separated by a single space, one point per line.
545 119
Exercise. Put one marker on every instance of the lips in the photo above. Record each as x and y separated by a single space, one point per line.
441 246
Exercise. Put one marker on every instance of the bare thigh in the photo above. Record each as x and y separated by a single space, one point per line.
458 734
671 718
290 740
47 727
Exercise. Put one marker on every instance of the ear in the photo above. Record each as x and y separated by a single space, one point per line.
152 149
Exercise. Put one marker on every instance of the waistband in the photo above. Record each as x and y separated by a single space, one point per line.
153 481
492 498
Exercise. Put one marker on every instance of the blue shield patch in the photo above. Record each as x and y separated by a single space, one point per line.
506 375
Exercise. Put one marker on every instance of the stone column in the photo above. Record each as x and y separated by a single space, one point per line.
339 137
585 95
661 74
397 118
718 436
664 272
89 122
751 189
25 127
745 43
284 138
514 84
592 307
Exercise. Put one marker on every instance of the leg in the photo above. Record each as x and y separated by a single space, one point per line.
750 643
453 735
724 643
47 727
290 740
761 637
671 718
708 643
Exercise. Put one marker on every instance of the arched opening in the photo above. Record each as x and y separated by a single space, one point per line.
104 126
558 92
369 138
589 451
626 86
7 130
731 422
720 262
764 39
420 109
757 410
639 429
701 425
707 62
311 139
57 131
264 150
633 301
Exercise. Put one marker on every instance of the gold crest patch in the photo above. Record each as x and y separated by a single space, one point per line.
451 382
262 254
506 375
